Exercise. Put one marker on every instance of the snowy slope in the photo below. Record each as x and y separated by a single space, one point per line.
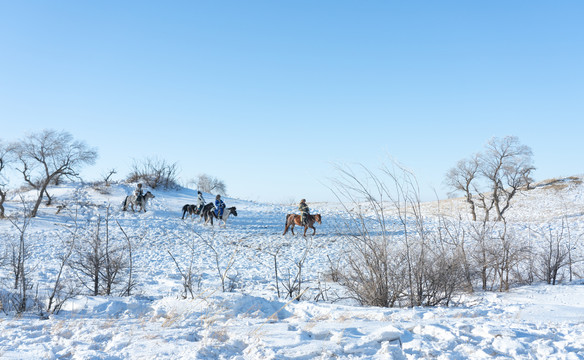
251 321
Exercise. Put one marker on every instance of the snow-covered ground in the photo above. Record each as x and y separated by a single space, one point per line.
249 320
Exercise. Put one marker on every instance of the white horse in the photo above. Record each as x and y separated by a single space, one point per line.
132 200
226 212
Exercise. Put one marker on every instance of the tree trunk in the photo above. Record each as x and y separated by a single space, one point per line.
37 204
2 199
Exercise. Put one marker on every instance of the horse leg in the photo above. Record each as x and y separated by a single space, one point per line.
313 228
305 228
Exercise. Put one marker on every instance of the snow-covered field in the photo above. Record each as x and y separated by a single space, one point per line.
249 320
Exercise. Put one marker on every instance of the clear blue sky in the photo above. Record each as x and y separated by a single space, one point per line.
266 95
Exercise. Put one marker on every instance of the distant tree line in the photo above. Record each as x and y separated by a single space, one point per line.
47 157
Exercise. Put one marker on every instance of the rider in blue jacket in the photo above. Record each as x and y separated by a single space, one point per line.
219 206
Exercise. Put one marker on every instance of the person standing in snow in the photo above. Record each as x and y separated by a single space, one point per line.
200 201
304 210
219 206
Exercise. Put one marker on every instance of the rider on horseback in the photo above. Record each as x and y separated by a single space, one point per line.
303 208
219 206
200 202
139 193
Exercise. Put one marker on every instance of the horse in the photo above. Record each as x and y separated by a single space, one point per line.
190 209
293 219
207 212
228 211
133 200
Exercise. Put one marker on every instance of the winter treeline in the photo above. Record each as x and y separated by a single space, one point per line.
397 255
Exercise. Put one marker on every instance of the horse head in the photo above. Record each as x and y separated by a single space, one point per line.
232 211
317 218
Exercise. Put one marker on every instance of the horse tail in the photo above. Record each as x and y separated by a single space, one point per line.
286 224
124 203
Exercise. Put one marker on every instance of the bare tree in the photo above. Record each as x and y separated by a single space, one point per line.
48 155
293 282
63 290
223 268
507 165
154 173
393 260
187 270
210 184
5 159
556 252
462 178
509 252
273 250
131 282
482 250
188 276
455 234
19 259
108 176
99 261
492 178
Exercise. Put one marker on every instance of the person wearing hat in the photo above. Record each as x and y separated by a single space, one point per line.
303 208
200 201
219 206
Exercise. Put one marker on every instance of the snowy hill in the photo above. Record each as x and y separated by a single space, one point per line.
232 309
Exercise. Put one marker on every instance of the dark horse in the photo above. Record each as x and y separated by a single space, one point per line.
207 211
191 210
293 219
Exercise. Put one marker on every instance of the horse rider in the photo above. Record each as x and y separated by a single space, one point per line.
200 201
219 206
304 210
138 192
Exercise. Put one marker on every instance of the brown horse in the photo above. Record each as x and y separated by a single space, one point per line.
293 219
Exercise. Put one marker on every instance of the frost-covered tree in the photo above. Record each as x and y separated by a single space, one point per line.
48 155
507 165
492 178
462 178
210 184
